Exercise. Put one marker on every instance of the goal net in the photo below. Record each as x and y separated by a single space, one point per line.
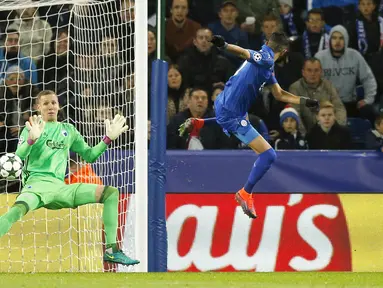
85 52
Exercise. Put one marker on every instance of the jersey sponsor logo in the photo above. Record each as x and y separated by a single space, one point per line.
243 123
64 133
257 57
21 140
55 144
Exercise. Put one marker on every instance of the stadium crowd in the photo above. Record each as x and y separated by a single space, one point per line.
335 56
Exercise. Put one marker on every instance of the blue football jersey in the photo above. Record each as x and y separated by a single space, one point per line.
243 87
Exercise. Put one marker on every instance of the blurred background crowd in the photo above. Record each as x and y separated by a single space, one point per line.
335 56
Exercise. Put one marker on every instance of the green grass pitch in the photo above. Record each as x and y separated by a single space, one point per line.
191 280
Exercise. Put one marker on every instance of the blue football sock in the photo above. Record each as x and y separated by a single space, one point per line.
260 167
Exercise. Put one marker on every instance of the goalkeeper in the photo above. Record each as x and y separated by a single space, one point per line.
44 146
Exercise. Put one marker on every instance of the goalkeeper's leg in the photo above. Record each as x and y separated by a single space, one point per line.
109 196
24 203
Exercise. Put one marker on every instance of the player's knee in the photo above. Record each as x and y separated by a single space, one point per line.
108 193
270 156
27 202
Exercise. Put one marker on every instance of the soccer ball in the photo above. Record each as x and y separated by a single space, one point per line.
10 166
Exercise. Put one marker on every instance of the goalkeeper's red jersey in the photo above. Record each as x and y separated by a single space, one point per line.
48 156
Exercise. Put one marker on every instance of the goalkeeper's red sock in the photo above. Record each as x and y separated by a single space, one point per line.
110 198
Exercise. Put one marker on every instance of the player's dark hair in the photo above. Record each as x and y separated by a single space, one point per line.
44 93
378 119
315 11
278 42
312 60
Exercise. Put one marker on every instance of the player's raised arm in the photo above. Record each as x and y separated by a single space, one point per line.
31 133
284 96
220 43
113 129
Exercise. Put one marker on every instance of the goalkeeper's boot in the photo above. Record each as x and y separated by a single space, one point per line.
120 258
246 201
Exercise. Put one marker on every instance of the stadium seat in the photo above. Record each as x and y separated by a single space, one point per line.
358 128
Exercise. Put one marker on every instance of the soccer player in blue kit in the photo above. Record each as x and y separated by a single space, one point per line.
232 104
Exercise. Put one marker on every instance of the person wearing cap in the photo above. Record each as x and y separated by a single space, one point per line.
228 28
16 101
11 55
289 137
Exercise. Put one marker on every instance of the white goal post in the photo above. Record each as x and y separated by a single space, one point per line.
102 71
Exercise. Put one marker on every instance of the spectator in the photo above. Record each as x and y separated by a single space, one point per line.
292 24
180 30
367 35
208 137
56 70
125 29
16 105
344 67
313 86
252 12
177 93
110 65
270 24
289 137
336 12
35 33
217 88
327 134
11 55
152 48
58 16
374 137
228 28
315 38
201 66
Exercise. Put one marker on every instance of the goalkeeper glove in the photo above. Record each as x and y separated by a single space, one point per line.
115 128
189 125
309 103
35 127
219 42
